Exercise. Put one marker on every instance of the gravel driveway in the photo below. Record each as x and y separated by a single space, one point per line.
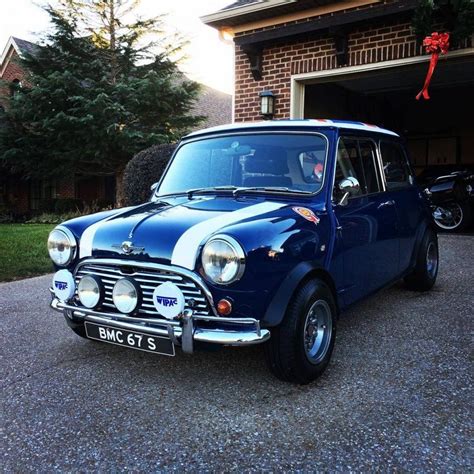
397 395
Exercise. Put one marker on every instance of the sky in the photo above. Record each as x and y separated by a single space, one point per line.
209 58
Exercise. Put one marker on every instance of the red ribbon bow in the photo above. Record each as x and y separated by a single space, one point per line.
436 44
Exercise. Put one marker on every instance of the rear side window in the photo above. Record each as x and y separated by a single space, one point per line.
357 158
368 155
395 166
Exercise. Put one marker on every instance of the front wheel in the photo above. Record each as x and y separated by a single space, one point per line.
301 346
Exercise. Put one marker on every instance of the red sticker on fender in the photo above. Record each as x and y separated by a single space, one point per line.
308 214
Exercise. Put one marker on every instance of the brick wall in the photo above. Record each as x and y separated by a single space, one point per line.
66 188
13 71
369 44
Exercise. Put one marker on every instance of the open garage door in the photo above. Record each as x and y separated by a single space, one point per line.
439 131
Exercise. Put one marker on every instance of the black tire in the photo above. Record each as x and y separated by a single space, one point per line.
464 210
424 275
286 352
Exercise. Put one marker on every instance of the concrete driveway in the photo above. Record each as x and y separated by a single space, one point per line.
397 395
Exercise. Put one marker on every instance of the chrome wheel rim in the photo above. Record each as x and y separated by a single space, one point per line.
431 260
449 216
317 331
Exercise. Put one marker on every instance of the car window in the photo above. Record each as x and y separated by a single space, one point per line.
348 164
395 166
312 165
369 158
267 160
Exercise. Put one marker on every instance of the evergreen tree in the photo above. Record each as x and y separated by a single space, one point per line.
97 93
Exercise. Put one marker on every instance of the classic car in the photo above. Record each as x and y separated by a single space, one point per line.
255 233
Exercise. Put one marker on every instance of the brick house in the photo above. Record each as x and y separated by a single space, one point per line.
355 60
25 196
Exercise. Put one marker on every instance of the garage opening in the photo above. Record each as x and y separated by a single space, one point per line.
439 131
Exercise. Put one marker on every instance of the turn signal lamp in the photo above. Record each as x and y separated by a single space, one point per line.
224 307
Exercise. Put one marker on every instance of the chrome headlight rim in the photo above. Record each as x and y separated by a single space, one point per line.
99 286
72 244
138 299
238 251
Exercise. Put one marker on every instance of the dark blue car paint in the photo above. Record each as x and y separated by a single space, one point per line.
357 249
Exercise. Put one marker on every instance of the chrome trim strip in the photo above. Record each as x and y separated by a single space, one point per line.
231 338
155 266
173 329
163 332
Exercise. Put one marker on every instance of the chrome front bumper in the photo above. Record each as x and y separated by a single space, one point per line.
182 331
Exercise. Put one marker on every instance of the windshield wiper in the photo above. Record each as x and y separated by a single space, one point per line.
277 189
190 192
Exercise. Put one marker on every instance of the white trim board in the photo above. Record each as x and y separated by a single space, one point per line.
298 81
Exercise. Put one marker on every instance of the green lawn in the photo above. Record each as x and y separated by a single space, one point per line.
23 250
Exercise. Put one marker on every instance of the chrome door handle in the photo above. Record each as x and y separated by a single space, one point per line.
391 202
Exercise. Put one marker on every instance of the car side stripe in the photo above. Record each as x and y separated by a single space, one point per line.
187 247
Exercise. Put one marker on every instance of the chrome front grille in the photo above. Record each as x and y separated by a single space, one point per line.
148 279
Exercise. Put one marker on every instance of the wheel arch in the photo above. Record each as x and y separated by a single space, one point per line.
427 224
303 273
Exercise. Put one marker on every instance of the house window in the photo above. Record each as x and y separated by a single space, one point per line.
42 195
15 86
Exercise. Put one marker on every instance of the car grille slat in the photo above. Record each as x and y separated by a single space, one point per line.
148 280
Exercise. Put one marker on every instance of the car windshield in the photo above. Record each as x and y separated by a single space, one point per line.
272 162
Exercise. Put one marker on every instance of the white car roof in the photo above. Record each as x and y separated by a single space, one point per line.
310 123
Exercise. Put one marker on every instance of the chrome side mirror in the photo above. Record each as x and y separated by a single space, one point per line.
350 187
154 186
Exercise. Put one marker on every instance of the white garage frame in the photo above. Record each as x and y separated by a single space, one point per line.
299 81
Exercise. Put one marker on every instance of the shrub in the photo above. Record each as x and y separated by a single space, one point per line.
144 169
49 218
67 205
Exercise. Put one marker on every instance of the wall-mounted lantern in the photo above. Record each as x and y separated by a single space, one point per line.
267 104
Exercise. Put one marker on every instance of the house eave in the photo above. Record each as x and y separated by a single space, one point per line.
11 43
325 23
240 14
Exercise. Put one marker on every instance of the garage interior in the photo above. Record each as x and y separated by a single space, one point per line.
438 131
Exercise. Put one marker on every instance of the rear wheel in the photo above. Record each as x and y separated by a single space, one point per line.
424 275
301 346
452 216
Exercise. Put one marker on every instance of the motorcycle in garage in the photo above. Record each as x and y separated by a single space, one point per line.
450 191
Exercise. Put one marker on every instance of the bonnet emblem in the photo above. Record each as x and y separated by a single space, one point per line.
127 247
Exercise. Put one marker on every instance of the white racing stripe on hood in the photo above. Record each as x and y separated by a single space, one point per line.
186 249
87 238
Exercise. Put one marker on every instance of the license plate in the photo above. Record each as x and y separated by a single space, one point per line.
133 339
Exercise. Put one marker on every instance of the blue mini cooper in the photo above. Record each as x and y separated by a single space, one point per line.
256 233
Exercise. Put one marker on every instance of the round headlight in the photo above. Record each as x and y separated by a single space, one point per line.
61 246
223 260
125 295
89 291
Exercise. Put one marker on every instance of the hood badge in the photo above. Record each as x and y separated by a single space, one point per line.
308 214
127 247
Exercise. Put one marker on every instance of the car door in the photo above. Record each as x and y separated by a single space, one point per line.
366 237
401 189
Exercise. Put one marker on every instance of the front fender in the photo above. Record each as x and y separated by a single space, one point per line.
301 273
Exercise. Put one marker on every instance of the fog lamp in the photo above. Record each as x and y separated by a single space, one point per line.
90 291
125 295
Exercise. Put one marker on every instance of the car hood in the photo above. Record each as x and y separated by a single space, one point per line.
173 231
